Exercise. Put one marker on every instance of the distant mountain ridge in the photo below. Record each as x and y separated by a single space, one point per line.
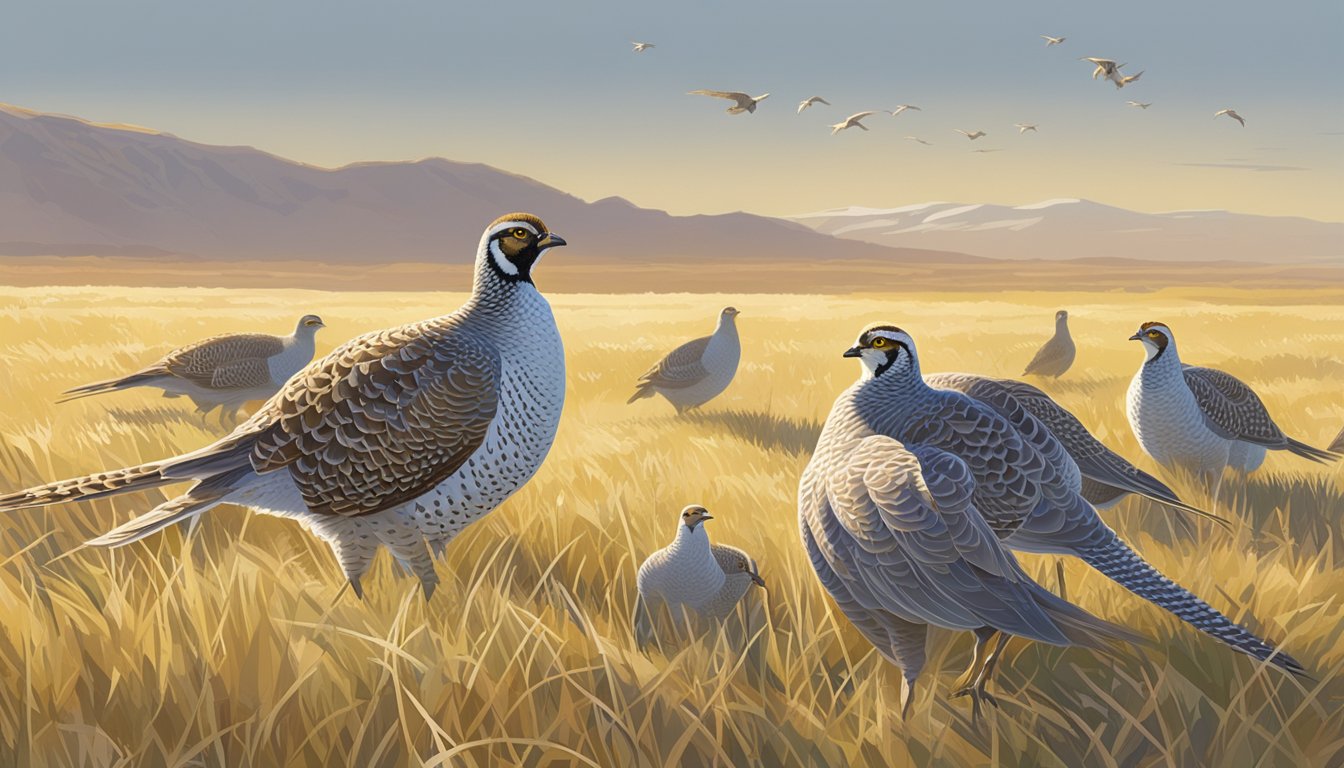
73 187
1072 229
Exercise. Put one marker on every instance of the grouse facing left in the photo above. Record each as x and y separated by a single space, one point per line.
400 437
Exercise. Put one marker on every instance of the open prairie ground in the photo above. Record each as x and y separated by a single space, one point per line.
237 645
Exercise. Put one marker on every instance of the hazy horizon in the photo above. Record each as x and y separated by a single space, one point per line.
554 93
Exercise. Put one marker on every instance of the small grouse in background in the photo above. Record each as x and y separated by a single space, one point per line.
697 371
224 372
1056 355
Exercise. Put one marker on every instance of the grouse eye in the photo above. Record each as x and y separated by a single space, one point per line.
879 342
520 233
1153 334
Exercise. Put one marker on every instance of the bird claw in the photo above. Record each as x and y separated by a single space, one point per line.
978 694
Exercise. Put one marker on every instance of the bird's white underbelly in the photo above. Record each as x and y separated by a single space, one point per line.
690 582
173 387
531 397
702 391
1170 426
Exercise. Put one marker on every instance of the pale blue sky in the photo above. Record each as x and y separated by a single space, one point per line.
551 90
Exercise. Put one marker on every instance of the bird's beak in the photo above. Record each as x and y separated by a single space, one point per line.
854 351
550 240
756 579
1136 337
703 518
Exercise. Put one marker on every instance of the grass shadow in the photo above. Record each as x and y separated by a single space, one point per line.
796 437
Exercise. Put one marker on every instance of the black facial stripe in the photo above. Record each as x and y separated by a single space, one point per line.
522 262
1162 343
892 358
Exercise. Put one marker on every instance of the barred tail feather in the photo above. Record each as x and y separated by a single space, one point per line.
1123 566
87 488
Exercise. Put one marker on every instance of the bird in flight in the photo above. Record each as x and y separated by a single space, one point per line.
1024 127
1049 41
851 122
972 135
741 101
903 107
1139 104
1104 67
642 47
809 101
1122 80
1232 113
921 141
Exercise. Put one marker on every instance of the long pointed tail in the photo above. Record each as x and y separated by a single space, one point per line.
1124 566
645 390
217 461
111 385
87 488
1299 448
1103 485
200 498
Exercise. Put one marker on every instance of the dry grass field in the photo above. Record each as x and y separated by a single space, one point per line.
237 646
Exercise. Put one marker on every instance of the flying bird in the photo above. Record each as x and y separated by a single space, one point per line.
1139 104
642 47
225 371
1104 67
399 438
1122 81
969 134
1232 113
903 107
809 101
851 122
1024 127
1049 41
921 141
741 101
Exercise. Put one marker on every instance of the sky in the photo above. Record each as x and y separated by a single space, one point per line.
552 91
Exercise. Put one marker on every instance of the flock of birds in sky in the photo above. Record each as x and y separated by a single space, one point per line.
1103 69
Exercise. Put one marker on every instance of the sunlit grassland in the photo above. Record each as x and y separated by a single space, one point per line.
239 647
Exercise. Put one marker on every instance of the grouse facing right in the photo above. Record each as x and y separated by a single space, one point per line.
398 438
697 371
1056 355
224 371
